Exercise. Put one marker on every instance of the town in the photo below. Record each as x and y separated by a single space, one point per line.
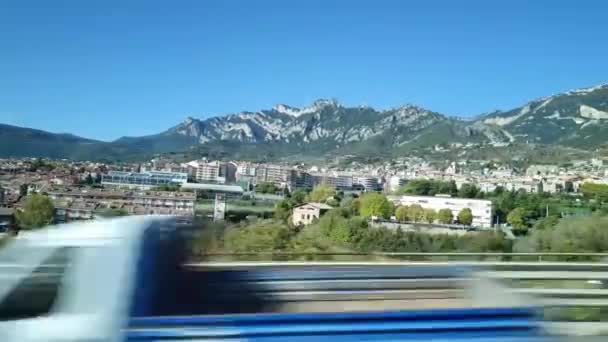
87 190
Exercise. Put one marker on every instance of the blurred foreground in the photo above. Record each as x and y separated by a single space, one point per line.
142 276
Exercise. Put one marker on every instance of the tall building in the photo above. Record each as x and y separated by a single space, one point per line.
215 172
279 175
208 172
368 183
338 181
302 180
245 170
229 172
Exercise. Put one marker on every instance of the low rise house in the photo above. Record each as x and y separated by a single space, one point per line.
305 214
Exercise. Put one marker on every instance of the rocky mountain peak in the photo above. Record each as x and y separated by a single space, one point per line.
316 106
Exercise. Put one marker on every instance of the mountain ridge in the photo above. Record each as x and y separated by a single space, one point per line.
577 118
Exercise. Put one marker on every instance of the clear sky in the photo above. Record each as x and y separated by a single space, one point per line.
105 69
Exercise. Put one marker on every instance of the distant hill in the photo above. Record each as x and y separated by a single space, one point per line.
577 118
27 142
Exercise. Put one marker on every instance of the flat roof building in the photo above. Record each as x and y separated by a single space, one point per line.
77 204
144 180
481 209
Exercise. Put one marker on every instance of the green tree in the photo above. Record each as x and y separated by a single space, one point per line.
430 215
402 213
465 216
23 189
375 204
282 210
356 206
298 197
416 187
488 241
570 235
38 211
265 236
333 202
416 212
518 218
425 187
449 188
335 226
468 191
595 191
445 216
548 222
266 188
321 193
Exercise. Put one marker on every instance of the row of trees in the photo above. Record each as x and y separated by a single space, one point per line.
340 230
526 208
378 205
370 205
429 187
415 213
568 235
266 188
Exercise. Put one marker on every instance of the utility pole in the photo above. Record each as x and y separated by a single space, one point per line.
219 208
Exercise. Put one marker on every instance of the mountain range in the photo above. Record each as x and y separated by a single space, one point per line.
577 118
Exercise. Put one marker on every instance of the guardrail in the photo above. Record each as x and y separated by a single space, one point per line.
574 294
416 256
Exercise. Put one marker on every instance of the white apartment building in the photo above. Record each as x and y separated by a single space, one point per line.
395 182
531 186
279 175
209 172
337 180
481 209
368 183
245 169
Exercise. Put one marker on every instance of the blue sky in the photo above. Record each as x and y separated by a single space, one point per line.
105 69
